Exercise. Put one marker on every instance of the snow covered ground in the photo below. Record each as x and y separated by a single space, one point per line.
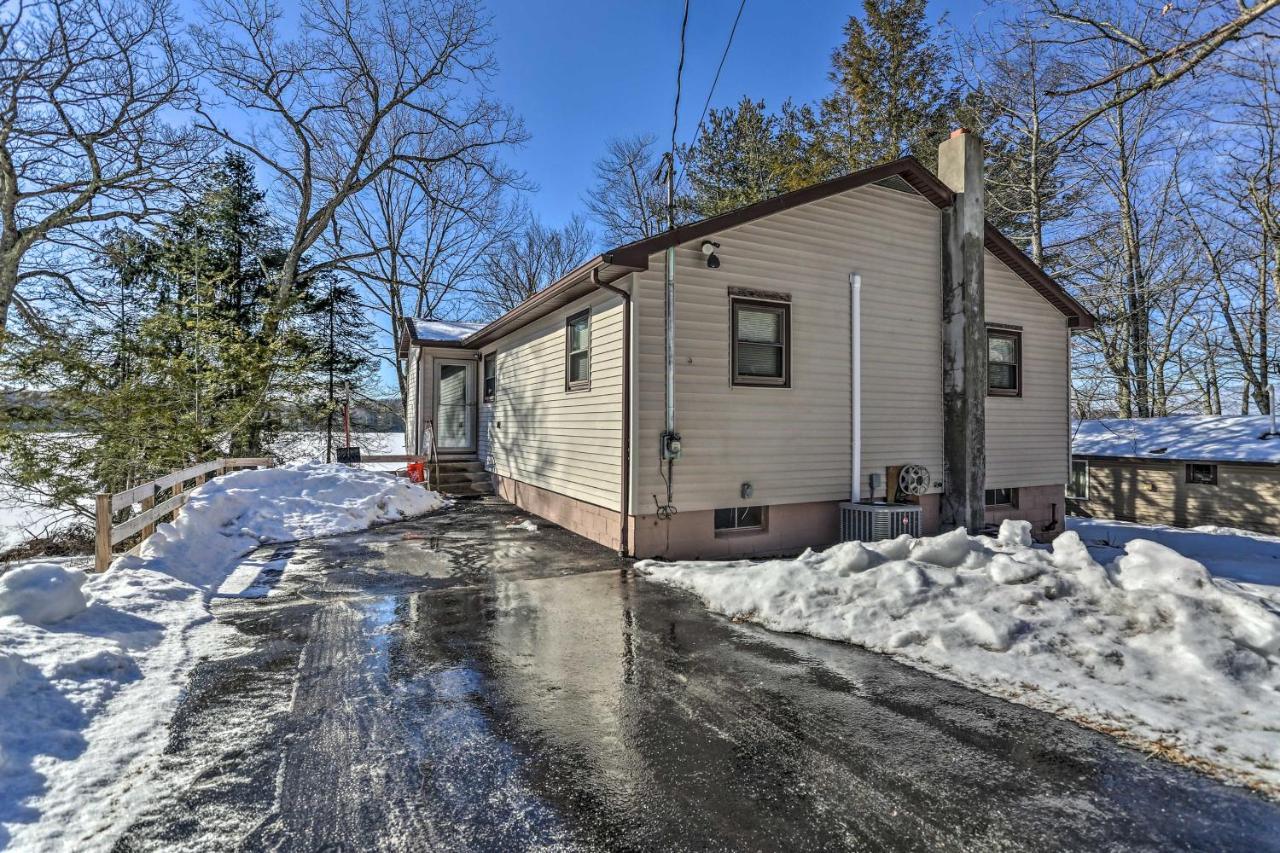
1149 647
20 519
91 667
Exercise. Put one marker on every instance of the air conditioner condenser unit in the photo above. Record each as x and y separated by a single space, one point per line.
873 522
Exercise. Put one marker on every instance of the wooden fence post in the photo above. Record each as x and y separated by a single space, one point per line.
102 532
148 504
177 490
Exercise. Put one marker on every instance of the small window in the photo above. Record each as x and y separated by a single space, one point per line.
761 343
739 519
490 376
1078 488
1004 362
1001 497
577 363
1202 474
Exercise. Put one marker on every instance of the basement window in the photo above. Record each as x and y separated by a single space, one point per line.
761 343
1001 498
1004 362
740 519
490 376
577 358
1202 474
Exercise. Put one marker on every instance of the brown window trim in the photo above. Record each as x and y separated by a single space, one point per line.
581 384
1013 333
1213 466
759 382
488 394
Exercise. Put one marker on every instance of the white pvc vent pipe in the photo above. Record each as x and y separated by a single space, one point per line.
855 357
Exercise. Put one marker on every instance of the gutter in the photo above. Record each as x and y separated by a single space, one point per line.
624 500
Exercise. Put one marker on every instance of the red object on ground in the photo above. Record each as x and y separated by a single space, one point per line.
417 471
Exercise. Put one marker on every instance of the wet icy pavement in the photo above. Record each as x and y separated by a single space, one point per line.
453 683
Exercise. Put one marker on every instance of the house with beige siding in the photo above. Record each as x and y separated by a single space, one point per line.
1183 471
806 350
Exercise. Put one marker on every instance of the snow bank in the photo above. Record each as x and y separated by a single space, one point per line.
1150 648
90 670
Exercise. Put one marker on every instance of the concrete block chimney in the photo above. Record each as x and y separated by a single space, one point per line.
964 341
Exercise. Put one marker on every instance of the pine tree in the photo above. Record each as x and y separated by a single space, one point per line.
165 374
894 90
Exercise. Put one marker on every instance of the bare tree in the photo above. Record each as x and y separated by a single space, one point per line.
1160 41
366 88
528 261
1131 264
628 199
85 86
1028 187
421 235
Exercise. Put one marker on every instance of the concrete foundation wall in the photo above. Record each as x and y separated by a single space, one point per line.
594 522
789 529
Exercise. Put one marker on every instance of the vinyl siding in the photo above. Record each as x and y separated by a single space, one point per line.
537 432
1246 496
412 426
793 444
1027 436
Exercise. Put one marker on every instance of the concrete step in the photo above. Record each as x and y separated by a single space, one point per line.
447 477
460 465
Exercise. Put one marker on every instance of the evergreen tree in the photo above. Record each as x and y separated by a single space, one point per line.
164 375
894 90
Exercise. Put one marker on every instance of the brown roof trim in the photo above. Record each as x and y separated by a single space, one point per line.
910 170
634 257
1078 317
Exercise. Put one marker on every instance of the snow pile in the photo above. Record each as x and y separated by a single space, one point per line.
42 593
1227 552
90 670
1149 648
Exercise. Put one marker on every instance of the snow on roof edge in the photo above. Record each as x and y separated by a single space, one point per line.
1208 438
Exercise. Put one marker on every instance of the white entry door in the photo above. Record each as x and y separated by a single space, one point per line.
455 406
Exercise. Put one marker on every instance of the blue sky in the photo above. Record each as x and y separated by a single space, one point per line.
580 72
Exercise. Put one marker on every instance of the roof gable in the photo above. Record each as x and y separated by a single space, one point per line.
908 170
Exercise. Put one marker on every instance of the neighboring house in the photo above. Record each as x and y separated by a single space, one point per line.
1184 471
562 400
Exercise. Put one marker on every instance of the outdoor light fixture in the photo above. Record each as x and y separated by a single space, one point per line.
709 249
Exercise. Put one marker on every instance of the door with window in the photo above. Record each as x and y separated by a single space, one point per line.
455 415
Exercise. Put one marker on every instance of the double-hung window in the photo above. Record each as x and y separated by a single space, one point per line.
1004 362
761 343
577 345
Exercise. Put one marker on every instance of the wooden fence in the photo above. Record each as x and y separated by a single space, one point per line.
106 535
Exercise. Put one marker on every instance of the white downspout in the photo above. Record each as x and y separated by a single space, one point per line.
855 357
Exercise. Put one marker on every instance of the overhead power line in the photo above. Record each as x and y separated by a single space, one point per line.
715 81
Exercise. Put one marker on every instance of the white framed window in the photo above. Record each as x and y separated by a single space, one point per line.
577 351
1078 487
490 376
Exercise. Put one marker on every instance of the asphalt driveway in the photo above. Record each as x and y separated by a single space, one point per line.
460 683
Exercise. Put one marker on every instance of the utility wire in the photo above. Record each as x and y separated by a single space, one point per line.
715 81
675 125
